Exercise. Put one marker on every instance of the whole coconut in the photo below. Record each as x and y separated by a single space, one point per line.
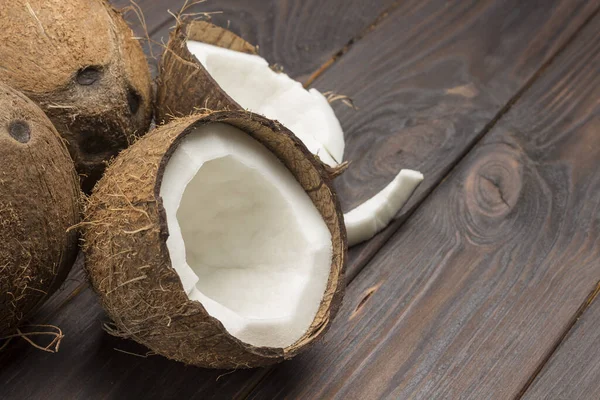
39 201
79 61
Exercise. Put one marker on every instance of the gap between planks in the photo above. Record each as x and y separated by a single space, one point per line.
584 306
592 296
340 53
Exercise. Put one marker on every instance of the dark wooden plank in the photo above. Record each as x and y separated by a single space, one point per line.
474 292
113 373
455 65
301 36
573 372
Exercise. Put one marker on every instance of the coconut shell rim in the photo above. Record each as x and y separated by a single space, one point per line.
310 336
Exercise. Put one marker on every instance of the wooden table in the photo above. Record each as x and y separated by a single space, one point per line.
484 287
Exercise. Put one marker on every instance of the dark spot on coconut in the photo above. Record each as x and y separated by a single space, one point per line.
20 131
92 143
133 99
89 75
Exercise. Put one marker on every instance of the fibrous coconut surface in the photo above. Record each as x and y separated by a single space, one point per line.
39 202
217 241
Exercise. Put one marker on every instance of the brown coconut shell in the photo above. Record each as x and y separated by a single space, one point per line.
79 61
129 265
39 202
185 87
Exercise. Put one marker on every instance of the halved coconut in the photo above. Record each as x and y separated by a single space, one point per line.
39 201
217 241
208 67
80 62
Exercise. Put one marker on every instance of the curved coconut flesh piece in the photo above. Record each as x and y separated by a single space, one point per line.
372 216
80 62
208 67
39 201
217 241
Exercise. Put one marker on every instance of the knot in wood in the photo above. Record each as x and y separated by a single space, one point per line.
492 189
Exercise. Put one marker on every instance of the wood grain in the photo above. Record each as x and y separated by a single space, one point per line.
447 71
573 372
300 36
474 292
424 80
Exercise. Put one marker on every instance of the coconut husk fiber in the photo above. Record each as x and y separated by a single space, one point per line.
79 61
184 86
125 232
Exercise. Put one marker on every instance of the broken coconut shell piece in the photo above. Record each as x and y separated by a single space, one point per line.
217 241
80 62
205 66
39 202
208 67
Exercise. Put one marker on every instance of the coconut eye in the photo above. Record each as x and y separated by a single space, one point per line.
133 100
89 75
20 131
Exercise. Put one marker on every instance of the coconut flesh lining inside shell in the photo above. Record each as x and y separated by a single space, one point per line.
249 80
244 237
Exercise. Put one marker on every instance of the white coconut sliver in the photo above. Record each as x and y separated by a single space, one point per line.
245 238
249 80
366 220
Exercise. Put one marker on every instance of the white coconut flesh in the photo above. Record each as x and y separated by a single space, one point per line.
249 80
366 220
244 237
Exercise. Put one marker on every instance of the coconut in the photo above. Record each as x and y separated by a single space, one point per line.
208 67
217 240
79 61
39 201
